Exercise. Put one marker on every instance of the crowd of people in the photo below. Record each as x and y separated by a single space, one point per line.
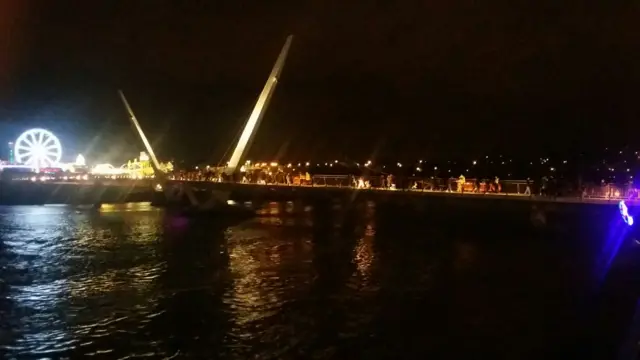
377 181
545 186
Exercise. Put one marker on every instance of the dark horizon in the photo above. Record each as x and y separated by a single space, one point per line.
362 80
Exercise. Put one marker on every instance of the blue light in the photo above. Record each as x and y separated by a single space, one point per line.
624 212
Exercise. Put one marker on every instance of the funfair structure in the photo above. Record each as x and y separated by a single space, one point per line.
39 150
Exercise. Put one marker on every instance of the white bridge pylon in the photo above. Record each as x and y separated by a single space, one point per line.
243 143
159 174
147 144
259 109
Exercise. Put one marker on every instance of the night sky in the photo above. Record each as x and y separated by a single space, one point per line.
396 79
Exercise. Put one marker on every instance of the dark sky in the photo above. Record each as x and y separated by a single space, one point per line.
400 79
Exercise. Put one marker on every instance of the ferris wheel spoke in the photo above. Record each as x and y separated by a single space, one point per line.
28 142
48 141
35 138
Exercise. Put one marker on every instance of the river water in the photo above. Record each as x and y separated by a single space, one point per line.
130 281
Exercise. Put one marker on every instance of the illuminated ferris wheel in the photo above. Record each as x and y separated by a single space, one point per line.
38 148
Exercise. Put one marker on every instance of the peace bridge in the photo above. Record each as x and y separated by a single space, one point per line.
594 210
315 188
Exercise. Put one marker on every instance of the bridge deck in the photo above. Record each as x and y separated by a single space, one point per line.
348 189
413 192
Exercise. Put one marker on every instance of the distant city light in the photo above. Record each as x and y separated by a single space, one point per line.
80 161
107 169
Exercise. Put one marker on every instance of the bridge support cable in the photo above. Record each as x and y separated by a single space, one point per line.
222 161
258 111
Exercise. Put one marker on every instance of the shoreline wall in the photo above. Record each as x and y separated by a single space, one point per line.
40 193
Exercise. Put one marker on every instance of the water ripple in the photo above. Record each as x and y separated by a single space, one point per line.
131 282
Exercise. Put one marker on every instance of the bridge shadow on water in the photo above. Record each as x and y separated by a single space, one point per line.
321 280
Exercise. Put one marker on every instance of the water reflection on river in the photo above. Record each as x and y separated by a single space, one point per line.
130 280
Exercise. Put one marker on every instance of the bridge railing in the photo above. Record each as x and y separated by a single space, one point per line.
332 180
409 184
470 185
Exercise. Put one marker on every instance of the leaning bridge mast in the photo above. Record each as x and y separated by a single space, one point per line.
251 126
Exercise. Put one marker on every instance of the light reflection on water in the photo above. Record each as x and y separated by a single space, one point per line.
64 276
129 280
